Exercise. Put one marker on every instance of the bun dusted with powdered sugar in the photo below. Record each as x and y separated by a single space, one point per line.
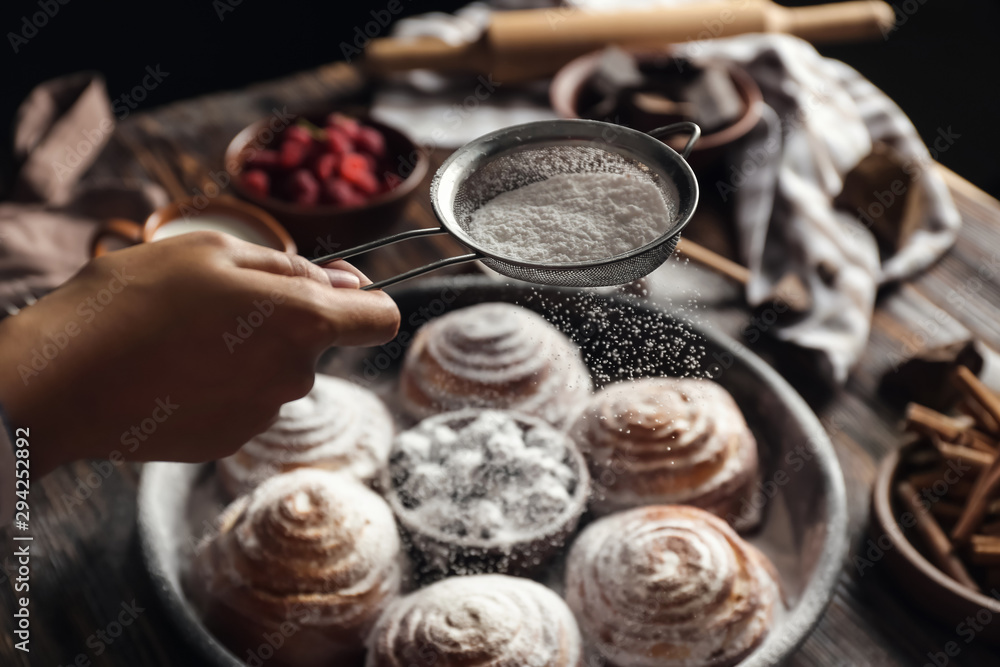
337 426
659 441
477 621
669 585
493 355
480 491
310 554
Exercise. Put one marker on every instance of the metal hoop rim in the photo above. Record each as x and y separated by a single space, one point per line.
571 127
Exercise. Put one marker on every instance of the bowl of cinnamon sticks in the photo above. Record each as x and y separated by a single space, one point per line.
936 508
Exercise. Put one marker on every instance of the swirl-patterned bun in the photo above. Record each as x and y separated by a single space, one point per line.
481 491
669 585
660 441
493 355
478 621
310 555
336 426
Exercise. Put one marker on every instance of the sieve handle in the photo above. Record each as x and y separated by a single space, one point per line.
427 268
373 245
688 126
396 238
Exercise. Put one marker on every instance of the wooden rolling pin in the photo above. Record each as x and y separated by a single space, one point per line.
534 43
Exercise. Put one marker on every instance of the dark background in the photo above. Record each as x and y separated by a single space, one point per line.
940 64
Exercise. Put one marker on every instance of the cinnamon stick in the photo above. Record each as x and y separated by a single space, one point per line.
989 479
968 455
984 420
939 547
984 550
978 504
976 439
927 479
932 423
973 387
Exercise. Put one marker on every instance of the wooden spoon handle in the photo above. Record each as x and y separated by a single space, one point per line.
713 260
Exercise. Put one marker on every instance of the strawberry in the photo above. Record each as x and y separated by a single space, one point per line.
356 170
297 134
338 141
262 159
292 154
257 183
371 141
325 165
303 188
345 124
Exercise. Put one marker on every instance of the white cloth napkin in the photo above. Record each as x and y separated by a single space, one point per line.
821 119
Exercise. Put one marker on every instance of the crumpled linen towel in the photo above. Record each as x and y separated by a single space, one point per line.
822 119
48 222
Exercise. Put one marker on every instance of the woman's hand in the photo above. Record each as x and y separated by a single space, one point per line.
177 350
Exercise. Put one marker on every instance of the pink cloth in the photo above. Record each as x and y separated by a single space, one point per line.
48 222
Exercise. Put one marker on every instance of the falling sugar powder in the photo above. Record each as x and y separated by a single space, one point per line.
621 339
572 218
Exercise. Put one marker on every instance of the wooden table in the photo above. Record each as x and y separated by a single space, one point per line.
86 563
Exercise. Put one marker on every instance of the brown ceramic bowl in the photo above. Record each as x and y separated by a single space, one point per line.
569 82
928 588
323 229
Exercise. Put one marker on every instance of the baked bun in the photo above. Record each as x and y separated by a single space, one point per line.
669 585
337 426
481 621
479 491
310 555
493 355
660 441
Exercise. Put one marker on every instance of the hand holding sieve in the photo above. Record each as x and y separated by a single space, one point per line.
519 155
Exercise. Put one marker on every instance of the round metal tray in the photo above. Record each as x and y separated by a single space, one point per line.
804 527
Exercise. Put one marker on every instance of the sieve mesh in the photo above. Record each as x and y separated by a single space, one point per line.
517 156
515 159
603 274
522 166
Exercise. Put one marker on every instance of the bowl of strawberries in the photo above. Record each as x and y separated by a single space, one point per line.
332 180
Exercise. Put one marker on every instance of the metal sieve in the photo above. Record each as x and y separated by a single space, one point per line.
519 155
